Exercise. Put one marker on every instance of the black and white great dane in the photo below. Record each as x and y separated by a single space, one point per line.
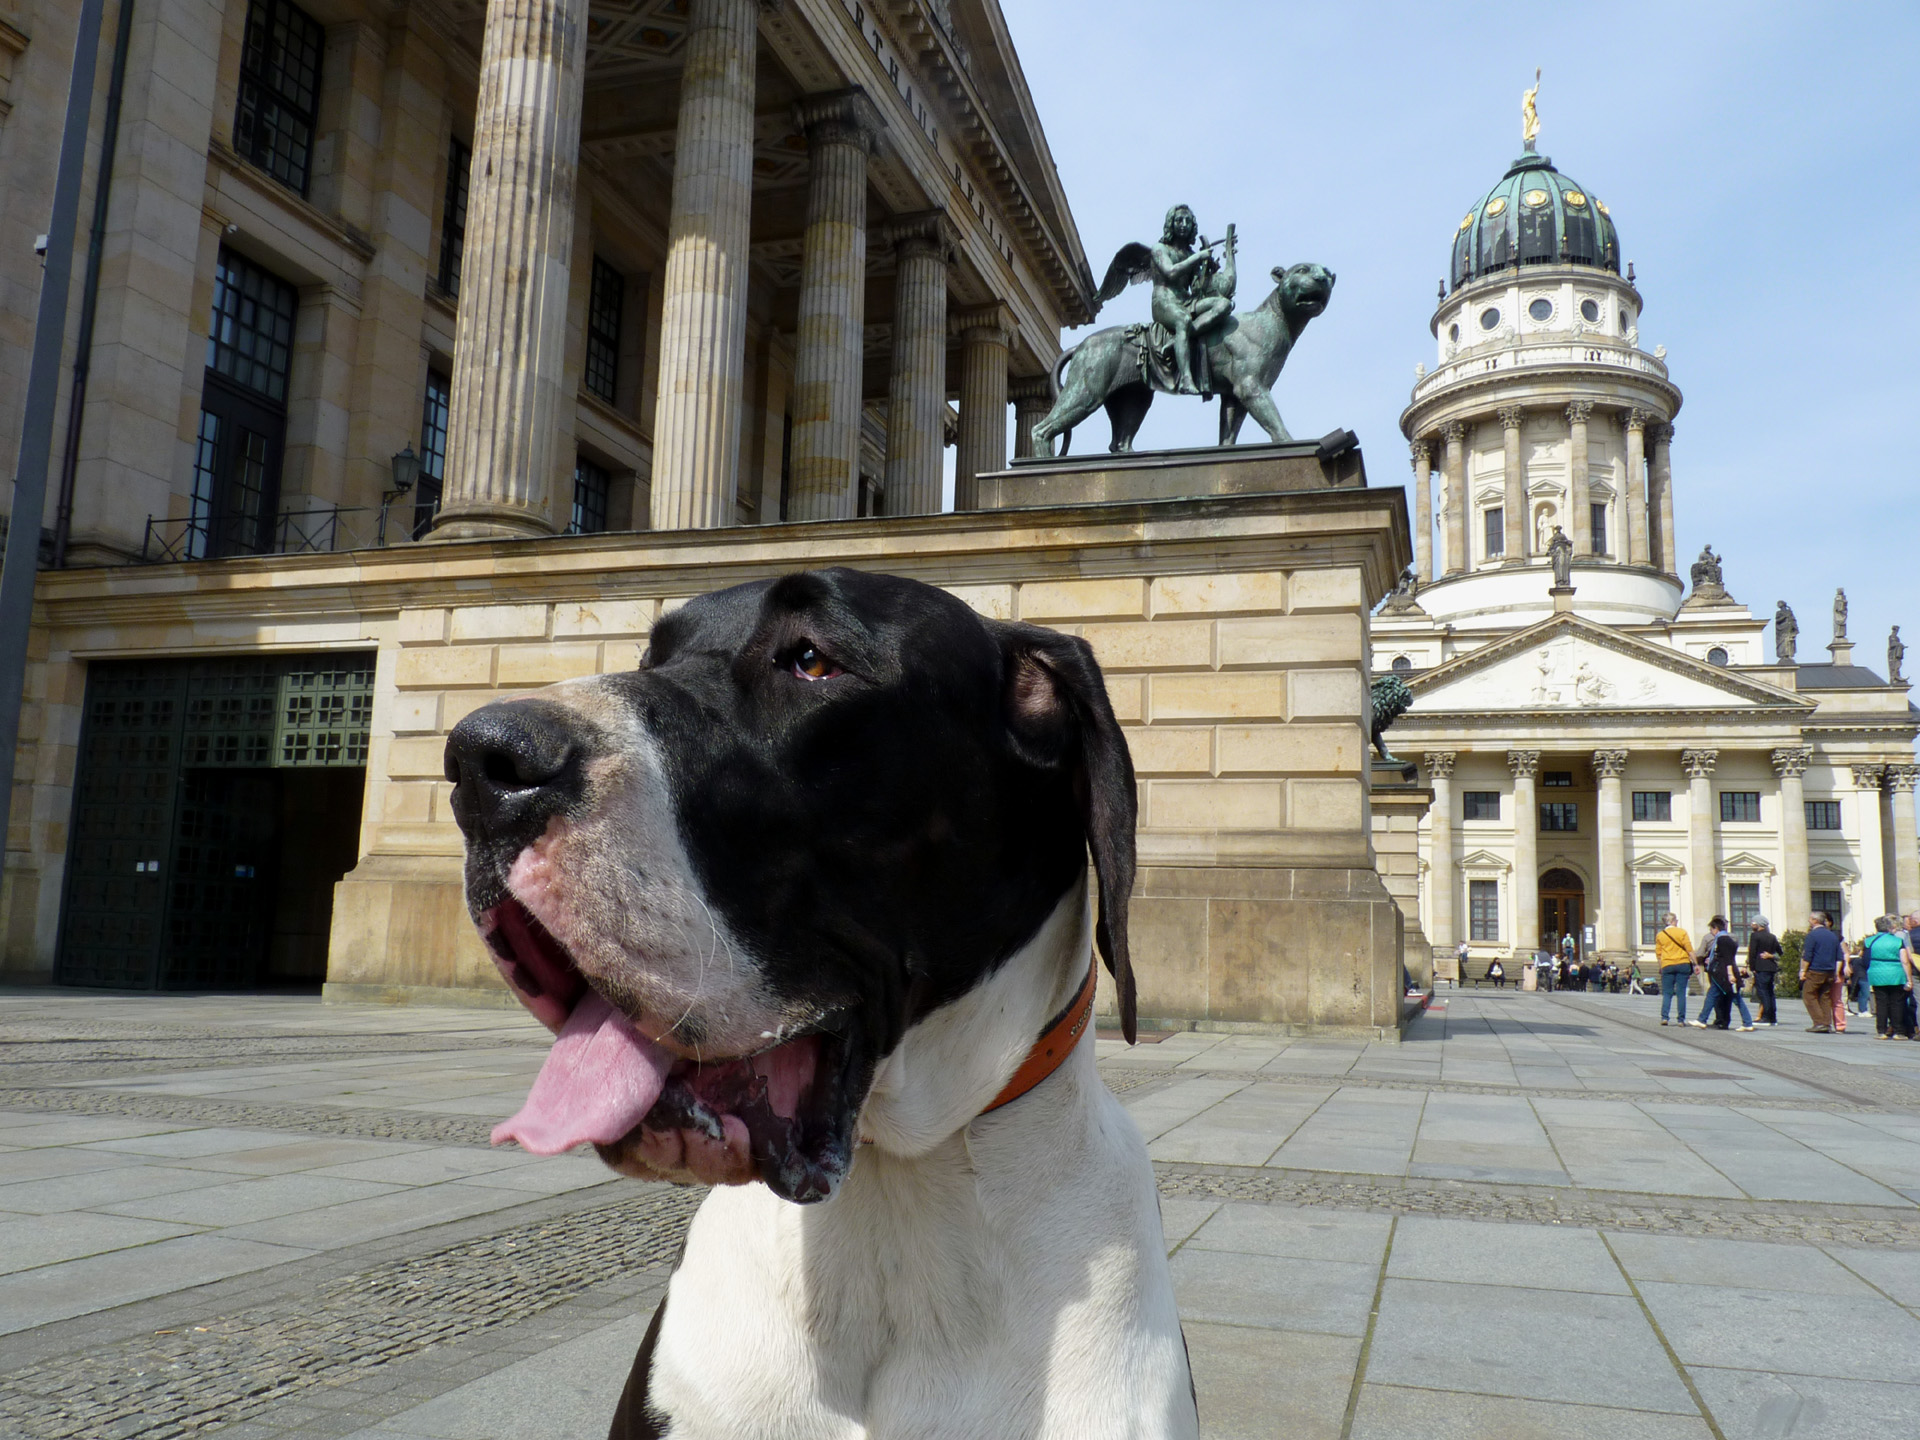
797 896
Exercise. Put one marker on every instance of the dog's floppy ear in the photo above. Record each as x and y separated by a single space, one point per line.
1059 716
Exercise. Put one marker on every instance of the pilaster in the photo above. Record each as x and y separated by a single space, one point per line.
1790 764
1455 435
1423 511
1702 873
1525 765
986 334
917 388
1905 843
828 349
1032 397
1636 423
1616 906
1579 496
1870 899
1519 536
1442 928
1660 481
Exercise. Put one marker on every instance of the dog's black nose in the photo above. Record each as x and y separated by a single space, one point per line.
513 765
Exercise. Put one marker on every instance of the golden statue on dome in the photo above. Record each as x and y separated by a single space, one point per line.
1529 115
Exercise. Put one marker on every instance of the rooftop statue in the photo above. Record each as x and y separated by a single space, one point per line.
1896 657
1529 114
1560 552
1705 572
1786 633
1839 614
1195 345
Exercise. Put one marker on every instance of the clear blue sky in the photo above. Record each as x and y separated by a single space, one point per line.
1758 159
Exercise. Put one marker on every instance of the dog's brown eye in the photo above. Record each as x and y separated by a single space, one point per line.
810 664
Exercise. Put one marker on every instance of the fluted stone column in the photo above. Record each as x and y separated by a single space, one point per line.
509 364
828 354
1519 529
917 387
703 308
986 334
1870 899
1578 494
1660 481
1455 434
1637 487
1032 398
1906 846
1703 883
1616 902
1525 765
1423 511
1443 929
1796 890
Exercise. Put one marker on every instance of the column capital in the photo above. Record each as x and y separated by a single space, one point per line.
1029 389
1610 764
1525 764
990 324
1453 432
1660 432
1868 777
1580 411
1422 453
1901 777
1699 763
841 117
1439 763
1638 419
925 232
1511 416
1792 760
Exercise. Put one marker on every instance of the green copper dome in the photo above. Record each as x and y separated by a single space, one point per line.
1534 216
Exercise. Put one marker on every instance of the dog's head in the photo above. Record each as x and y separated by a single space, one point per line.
731 880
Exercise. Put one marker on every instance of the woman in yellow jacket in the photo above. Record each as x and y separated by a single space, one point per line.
1673 948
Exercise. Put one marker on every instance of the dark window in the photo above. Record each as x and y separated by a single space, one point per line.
1402 665
1483 909
1481 804
250 338
433 453
590 486
1717 655
279 90
1823 814
1826 901
243 421
1740 805
1655 901
1589 311
1557 779
1652 805
453 217
1496 532
1541 309
1489 318
603 330
1743 904
1559 815
1599 513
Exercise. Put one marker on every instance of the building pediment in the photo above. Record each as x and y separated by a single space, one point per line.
1485 860
1655 862
1566 663
1745 863
1830 870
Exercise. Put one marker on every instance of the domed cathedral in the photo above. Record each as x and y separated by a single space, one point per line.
1604 732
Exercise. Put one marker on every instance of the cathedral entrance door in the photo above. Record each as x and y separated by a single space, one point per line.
1563 910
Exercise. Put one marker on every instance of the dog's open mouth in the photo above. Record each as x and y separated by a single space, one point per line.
790 1106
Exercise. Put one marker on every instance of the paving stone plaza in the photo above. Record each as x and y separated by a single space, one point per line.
1541 1216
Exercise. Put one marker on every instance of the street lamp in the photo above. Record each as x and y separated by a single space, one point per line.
406 470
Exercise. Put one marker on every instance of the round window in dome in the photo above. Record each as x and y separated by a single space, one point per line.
1535 198
1453 333
1576 200
1589 311
1489 318
1541 309
1717 656
1496 206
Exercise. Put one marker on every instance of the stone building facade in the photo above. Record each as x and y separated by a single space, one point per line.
1607 749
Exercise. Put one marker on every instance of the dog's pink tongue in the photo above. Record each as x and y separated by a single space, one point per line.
599 1080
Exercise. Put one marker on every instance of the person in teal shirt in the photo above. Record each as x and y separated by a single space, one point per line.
1890 972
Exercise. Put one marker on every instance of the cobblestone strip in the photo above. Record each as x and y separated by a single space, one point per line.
1834 1078
183 1382
1729 1219
354 1122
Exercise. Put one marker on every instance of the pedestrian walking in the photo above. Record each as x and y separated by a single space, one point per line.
1673 949
1460 954
1763 959
1723 978
1889 971
1822 968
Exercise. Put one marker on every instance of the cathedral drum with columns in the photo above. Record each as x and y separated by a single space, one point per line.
1613 743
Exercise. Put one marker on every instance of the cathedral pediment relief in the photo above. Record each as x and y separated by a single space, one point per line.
1568 664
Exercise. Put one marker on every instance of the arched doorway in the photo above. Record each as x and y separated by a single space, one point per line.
1563 910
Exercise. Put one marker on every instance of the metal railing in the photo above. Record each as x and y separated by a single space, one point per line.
294 532
1491 359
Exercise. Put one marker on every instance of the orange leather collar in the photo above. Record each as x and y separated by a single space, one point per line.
1050 1051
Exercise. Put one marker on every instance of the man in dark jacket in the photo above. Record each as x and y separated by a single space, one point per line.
1763 959
1821 960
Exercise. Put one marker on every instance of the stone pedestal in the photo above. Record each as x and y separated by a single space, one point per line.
703 311
828 351
1104 479
1396 804
516 272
